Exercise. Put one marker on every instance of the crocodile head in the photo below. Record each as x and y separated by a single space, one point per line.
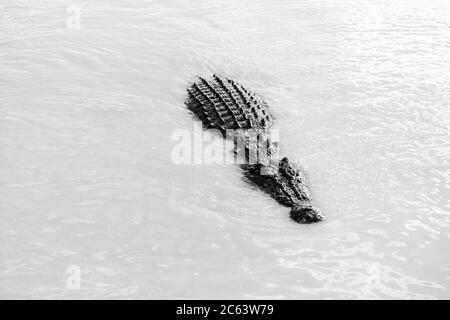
303 213
286 183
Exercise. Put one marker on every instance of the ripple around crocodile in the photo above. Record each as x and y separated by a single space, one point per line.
225 105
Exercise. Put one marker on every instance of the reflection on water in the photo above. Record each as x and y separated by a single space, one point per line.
360 92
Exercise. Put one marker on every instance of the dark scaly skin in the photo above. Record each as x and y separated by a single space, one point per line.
223 104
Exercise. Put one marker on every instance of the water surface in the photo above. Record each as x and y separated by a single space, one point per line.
360 91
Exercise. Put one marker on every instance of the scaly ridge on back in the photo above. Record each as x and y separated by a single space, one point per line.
224 104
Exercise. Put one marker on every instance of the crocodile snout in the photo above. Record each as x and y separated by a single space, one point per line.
306 214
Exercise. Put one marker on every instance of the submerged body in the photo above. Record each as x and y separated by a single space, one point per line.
225 105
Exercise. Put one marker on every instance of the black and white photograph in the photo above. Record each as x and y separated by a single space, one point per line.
247 150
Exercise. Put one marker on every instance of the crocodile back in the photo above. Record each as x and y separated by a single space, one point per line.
222 104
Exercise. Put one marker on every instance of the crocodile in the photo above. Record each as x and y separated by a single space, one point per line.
225 105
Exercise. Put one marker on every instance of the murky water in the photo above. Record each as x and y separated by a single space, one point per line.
360 90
